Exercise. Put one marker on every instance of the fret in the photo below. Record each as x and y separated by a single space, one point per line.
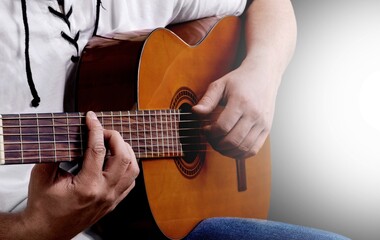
38 139
75 138
81 134
157 150
2 154
179 145
102 118
162 134
167 140
46 137
112 125
61 137
145 143
171 130
121 124
130 129
21 140
175 142
68 135
151 133
54 140
137 134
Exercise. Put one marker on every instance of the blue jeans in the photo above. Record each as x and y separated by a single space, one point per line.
244 229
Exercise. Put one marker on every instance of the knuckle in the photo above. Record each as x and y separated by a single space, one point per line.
114 132
125 159
223 128
215 84
108 198
244 148
253 151
88 194
233 141
99 149
135 172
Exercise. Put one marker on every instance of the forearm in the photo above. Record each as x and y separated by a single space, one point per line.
11 227
271 34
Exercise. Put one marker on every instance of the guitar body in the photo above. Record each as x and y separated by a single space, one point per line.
174 74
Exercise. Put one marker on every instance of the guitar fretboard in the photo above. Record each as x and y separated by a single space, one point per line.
58 137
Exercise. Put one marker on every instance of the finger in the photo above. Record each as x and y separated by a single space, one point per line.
210 99
95 153
121 156
127 181
124 193
226 121
44 172
239 135
246 147
258 144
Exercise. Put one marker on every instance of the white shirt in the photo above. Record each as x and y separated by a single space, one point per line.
50 54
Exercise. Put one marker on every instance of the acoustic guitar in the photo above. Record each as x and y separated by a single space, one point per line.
143 85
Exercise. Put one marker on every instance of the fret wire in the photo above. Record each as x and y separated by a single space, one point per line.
167 130
21 146
38 137
112 125
157 135
146 150
102 117
162 134
176 133
121 125
81 136
129 127
2 155
170 130
68 136
137 130
150 127
54 141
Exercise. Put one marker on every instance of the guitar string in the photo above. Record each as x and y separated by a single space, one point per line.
138 155
66 117
127 114
147 146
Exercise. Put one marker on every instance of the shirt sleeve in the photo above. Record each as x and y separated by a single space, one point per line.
131 15
186 10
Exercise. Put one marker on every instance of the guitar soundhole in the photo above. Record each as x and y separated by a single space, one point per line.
193 144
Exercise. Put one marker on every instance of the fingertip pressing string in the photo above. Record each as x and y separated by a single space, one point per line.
36 99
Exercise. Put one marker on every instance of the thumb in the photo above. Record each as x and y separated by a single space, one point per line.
210 99
44 172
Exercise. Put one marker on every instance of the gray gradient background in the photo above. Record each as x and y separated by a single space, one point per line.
326 132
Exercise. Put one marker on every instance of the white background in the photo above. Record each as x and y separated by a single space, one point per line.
326 132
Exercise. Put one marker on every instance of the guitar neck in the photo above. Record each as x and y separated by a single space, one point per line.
61 137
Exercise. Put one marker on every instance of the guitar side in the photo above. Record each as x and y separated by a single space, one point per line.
174 74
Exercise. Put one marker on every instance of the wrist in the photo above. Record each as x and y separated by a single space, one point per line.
17 226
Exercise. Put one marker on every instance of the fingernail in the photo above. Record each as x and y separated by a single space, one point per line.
92 115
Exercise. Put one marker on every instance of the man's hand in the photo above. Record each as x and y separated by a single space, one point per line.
62 205
247 98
